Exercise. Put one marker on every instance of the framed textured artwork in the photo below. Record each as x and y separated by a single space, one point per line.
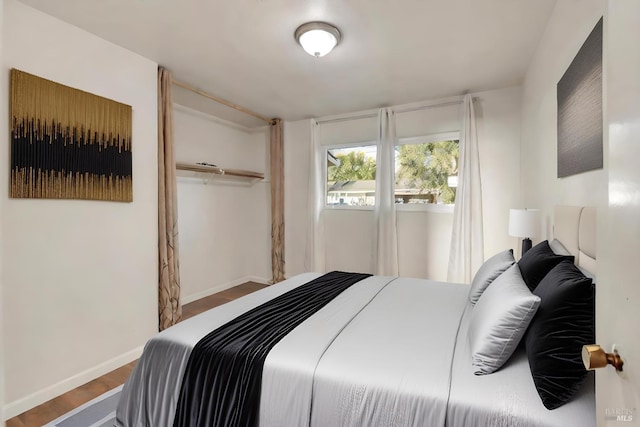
579 94
68 144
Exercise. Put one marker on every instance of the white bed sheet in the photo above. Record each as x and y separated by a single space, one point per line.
508 397
290 366
389 366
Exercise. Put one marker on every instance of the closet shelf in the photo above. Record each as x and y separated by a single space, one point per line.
215 170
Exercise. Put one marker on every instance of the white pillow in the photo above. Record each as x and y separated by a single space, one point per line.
558 248
487 273
499 320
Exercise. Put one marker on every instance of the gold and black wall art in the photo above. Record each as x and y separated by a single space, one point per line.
68 144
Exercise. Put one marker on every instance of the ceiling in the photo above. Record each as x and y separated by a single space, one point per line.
393 51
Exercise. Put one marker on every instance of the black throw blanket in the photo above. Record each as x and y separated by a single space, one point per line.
223 378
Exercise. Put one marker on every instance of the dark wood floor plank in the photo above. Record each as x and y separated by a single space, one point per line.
241 290
15 422
40 415
197 307
60 405
121 374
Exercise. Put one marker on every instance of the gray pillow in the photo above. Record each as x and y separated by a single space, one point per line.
499 320
558 248
487 273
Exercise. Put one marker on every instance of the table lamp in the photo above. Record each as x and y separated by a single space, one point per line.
524 223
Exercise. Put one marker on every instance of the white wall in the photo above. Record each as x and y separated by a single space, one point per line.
568 28
618 293
297 143
423 236
224 224
77 274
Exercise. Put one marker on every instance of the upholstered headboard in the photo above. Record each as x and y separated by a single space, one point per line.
575 228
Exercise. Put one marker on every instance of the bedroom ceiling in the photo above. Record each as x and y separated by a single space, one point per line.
392 52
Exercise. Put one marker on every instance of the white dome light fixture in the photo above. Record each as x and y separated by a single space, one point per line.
317 38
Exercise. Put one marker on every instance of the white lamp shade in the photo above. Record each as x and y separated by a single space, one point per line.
317 38
524 222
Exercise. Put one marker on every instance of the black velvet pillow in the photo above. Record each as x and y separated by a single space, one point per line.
563 323
537 262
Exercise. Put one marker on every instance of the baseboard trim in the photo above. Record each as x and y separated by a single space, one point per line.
19 406
223 287
257 279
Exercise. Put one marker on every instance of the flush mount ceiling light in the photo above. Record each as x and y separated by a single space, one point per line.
317 38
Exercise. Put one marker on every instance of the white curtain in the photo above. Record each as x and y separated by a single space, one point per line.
467 254
385 250
315 251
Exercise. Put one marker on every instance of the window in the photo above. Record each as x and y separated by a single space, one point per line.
351 176
426 170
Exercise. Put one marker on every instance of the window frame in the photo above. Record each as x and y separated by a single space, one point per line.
433 137
417 207
325 150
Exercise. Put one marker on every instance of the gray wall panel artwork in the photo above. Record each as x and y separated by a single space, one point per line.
580 109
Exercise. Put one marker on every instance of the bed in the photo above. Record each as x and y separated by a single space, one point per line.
387 351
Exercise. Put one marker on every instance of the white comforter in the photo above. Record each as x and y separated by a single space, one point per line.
380 354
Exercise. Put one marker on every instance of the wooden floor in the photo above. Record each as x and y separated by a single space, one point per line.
54 408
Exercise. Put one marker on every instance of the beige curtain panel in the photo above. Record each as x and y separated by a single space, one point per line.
277 201
169 308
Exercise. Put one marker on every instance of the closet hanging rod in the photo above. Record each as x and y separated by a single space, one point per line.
195 167
194 89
